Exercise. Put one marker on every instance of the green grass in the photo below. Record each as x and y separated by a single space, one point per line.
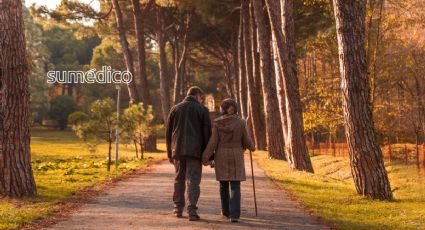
330 193
62 167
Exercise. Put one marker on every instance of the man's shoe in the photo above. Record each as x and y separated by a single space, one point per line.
177 213
224 216
234 220
194 217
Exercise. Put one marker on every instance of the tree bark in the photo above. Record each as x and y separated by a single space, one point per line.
296 149
131 87
280 88
367 164
164 85
423 155
109 152
138 13
243 102
135 147
275 141
254 97
235 66
180 63
139 28
16 176
228 76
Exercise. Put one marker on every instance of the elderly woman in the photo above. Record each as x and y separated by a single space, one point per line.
228 141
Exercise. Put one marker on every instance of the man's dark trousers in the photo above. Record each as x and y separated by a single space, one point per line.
188 171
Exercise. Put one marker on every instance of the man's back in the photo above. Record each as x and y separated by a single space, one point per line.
188 129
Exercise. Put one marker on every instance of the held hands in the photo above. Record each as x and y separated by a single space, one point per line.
206 163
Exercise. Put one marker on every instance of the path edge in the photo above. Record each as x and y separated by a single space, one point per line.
65 208
295 200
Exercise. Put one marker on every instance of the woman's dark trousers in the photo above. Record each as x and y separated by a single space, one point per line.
230 201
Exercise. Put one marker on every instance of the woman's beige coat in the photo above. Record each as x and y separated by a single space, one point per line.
228 141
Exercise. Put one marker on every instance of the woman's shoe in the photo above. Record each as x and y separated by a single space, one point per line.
234 220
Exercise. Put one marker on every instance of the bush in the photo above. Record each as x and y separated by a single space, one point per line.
60 108
78 117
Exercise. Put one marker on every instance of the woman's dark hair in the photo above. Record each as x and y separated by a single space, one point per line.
229 103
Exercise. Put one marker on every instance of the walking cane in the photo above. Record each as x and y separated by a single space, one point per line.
253 182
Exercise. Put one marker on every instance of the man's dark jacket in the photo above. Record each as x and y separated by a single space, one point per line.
188 129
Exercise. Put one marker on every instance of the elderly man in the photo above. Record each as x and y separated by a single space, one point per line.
187 135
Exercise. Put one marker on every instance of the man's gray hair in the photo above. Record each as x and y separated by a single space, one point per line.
195 90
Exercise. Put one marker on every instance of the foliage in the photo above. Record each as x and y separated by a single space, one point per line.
60 108
330 194
39 60
98 125
62 169
137 124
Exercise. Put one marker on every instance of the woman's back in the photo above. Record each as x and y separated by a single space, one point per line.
228 141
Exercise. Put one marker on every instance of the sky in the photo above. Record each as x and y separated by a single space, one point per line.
51 4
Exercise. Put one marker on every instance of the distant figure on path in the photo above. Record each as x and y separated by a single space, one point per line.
187 134
228 141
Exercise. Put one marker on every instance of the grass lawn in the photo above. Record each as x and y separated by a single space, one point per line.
330 193
63 166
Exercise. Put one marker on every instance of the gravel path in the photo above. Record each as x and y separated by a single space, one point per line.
144 202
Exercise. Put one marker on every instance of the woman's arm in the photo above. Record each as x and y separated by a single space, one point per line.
212 145
246 140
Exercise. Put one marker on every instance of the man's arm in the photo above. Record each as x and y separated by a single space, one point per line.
169 133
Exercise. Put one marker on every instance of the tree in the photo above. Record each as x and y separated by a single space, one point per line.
139 26
16 176
273 123
39 55
60 108
367 164
99 124
241 60
253 96
132 91
163 77
282 26
180 59
137 124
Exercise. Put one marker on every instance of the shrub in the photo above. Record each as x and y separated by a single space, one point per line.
60 108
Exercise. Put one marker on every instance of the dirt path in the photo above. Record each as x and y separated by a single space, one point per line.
145 202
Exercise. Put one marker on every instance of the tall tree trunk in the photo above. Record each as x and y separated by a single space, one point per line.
139 28
180 63
423 155
16 176
150 142
280 88
373 34
275 141
282 25
243 102
164 85
367 164
235 66
131 87
228 76
254 97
